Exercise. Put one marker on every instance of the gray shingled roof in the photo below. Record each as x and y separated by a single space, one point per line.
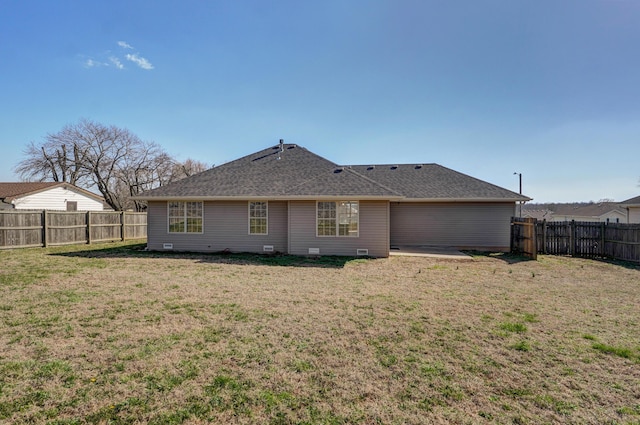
585 210
434 182
296 172
632 201
293 173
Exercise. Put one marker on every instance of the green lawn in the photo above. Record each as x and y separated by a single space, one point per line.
112 334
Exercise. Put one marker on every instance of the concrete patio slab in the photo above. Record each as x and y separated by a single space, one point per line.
428 251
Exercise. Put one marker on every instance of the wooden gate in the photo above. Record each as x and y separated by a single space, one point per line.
523 237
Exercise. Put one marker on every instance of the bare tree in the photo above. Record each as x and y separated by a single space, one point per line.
51 160
113 160
188 168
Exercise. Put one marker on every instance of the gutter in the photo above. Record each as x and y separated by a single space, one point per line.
458 200
330 197
268 198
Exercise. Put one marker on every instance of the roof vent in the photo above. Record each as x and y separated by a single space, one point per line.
291 147
281 149
419 166
371 167
338 170
394 167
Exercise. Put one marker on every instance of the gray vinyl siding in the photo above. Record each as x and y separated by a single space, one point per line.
373 231
484 226
226 227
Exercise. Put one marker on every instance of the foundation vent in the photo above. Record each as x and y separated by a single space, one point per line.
314 251
167 246
267 248
362 251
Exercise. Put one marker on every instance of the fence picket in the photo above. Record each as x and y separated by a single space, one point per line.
582 239
21 229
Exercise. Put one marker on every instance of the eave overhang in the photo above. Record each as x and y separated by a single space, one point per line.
459 200
269 198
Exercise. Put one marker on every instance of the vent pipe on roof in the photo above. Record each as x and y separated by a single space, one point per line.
281 149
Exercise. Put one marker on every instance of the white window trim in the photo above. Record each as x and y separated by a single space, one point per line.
184 231
338 235
249 219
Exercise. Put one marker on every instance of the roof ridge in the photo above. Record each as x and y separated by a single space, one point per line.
392 164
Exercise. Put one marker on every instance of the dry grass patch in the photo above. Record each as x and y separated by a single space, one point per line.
113 334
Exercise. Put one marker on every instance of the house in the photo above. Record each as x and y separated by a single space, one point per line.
632 207
48 196
608 212
290 200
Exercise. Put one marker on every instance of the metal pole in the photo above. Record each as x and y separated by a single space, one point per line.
519 202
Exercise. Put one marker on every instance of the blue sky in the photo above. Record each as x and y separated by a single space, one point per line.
546 88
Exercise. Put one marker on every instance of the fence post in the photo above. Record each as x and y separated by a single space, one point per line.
603 229
534 236
44 228
511 244
122 225
544 236
572 238
89 227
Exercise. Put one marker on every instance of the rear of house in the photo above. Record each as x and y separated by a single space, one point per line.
469 225
289 200
285 227
442 207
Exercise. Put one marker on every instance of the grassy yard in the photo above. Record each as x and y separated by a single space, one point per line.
113 334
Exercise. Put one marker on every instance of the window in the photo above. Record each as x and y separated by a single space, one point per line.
337 218
258 215
185 217
348 218
326 218
72 206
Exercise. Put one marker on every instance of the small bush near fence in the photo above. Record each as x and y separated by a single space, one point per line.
576 238
22 229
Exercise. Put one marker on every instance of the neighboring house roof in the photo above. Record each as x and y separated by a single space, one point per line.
538 214
586 210
631 202
10 191
290 171
580 211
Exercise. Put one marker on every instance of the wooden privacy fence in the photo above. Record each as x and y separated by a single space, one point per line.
578 239
22 229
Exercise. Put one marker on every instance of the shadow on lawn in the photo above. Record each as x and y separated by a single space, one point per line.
510 258
139 251
507 257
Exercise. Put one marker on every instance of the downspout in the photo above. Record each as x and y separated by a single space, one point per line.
288 227
12 206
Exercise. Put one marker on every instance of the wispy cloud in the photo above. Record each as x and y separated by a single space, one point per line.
125 45
92 63
111 60
140 61
116 62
